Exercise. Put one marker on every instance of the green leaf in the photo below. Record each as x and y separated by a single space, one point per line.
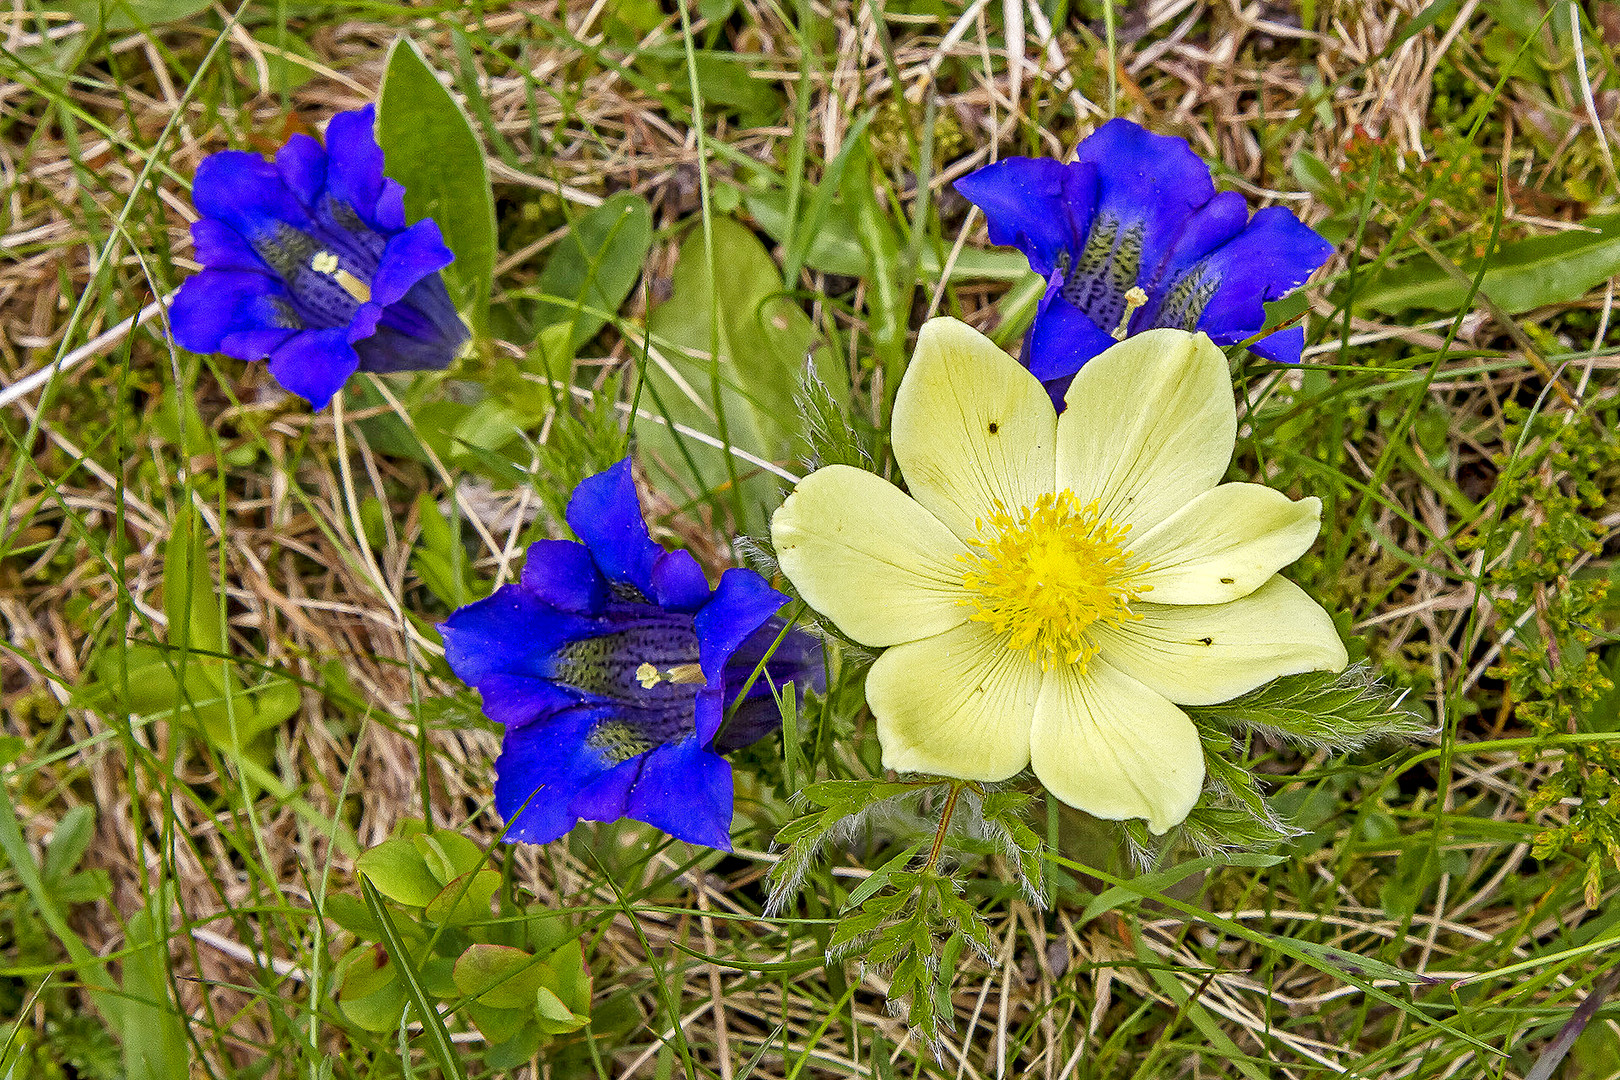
1340 711
448 854
556 1018
489 427
190 596
1520 276
888 299
84 887
439 1044
515 1051
1146 885
432 149
500 1025
465 899
368 993
155 1045
116 15
573 983
1355 964
283 73
69 841
352 915
400 873
501 976
763 339
723 80
880 877
591 272
835 246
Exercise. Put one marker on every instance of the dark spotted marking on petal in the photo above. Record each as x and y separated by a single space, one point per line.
1228 581
1206 641
1107 268
1184 304
994 427
618 741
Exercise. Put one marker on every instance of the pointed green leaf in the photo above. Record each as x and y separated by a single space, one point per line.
155 1044
1523 275
69 841
764 341
591 272
432 149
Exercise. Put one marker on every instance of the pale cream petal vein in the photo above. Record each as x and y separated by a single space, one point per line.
1150 425
1206 654
956 704
1224 544
1110 746
865 555
971 427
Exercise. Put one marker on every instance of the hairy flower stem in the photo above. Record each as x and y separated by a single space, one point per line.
944 825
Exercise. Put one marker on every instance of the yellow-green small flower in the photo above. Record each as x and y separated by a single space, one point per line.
1053 587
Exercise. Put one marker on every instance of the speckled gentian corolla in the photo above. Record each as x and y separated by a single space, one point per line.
614 667
1136 210
308 262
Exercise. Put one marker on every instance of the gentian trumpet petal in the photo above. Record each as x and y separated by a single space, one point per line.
1138 211
342 285
620 676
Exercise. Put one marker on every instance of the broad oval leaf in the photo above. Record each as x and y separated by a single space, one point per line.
591 272
502 977
400 872
764 341
465 899
369 995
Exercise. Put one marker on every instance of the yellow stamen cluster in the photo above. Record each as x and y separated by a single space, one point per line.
1043 577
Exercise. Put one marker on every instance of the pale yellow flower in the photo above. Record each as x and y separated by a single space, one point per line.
1053 587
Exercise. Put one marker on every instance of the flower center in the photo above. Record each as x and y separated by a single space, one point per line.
1042 578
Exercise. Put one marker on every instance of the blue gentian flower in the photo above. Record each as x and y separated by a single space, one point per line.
308 261
1133 235
617 673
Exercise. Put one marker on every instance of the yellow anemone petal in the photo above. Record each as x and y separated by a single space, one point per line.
1110 746
1206 654
957 704
971 427
1224 544
864 554
1150 425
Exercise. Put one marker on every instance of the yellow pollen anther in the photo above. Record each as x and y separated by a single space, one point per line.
685 673
353 285
1043 577
324 262
650 676
1134 298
